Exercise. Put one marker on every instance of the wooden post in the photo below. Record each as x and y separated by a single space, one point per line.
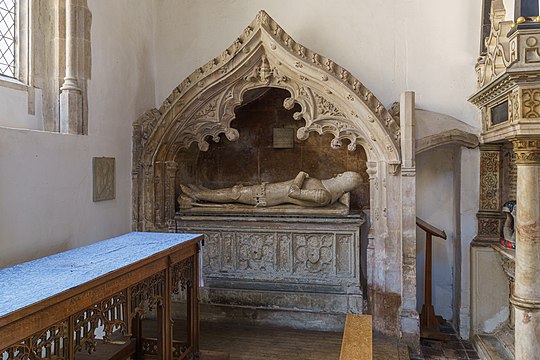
429 324
427 317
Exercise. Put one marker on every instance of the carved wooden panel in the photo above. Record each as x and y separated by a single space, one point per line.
86 326
48 344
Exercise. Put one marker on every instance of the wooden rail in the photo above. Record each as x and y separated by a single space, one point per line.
429 323
50 308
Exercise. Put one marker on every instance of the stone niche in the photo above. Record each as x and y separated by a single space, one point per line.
252 159
216 129
256 267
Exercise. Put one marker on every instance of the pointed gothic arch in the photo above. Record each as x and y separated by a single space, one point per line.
332 101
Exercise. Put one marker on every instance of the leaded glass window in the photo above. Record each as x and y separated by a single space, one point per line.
7 37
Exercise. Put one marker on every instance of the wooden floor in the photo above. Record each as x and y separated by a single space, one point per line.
260 343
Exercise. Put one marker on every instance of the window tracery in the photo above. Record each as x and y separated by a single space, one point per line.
8 28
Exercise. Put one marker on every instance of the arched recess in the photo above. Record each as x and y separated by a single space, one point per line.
331 100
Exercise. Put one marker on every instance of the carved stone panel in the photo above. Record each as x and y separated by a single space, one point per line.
279 254
311 264
255 250
530 103
104 178
314 254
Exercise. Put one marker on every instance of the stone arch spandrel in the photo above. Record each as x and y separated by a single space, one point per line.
265 55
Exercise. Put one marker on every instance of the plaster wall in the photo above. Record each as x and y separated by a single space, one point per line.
46 178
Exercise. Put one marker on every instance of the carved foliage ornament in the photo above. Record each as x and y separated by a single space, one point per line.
110 313
52 341
488 227
489 180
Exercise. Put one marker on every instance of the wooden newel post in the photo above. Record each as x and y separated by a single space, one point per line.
429 324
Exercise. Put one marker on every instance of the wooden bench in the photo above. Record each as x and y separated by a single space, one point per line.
50 308
357 338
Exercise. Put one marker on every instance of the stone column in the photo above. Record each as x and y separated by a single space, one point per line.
410 327
170 201
71 106
526 297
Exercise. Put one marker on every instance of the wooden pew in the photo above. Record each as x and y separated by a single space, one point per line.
357 338
50 308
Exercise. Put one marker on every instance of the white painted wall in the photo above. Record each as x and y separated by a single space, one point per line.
46 178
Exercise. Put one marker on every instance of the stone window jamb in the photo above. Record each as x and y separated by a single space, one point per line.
23 59
42 33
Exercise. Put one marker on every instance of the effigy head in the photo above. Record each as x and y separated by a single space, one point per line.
350 180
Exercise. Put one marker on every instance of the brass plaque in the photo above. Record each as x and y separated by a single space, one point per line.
283 138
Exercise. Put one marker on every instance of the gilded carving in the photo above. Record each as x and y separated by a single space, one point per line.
530 103
489 180
527 151
489 227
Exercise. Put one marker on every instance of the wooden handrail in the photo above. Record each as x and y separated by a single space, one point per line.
428 228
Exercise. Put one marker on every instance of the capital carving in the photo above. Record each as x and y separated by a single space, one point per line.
527 151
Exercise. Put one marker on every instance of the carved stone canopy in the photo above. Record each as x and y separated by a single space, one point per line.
331 99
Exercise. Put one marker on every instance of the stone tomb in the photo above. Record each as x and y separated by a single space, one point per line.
260 261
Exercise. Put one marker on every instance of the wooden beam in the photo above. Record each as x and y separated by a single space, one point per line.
357 338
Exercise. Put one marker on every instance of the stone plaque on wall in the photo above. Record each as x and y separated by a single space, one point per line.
103 178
